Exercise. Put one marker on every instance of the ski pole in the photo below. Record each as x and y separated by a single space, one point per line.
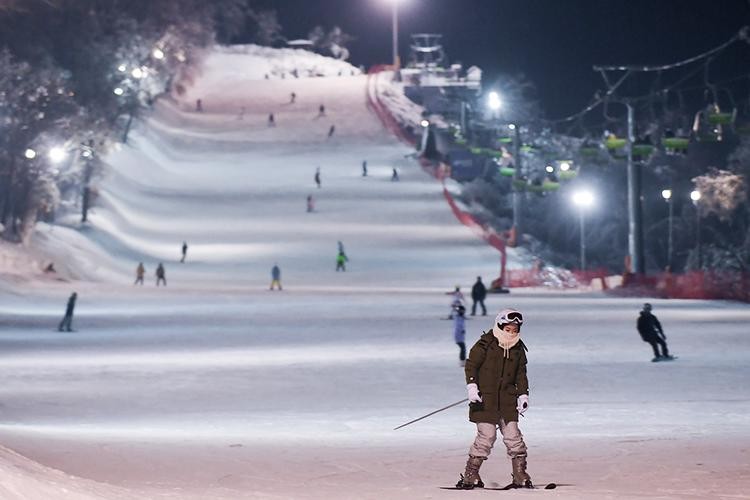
432 413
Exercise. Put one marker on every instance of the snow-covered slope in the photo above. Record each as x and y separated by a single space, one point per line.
215 388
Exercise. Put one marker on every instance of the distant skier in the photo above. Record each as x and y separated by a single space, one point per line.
341 260
457 299
140 271
310 203
364 168
321 111
67 321
184 251
199 106
293 98
394 176
498 391
478 294
652 332
331 131
275 277
459 333
317 177
161 275
271 120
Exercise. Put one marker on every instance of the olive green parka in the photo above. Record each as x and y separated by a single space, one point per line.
500 380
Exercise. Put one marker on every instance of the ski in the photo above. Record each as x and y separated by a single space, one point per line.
548 486
661 359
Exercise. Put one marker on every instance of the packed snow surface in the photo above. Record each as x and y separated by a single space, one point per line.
215 387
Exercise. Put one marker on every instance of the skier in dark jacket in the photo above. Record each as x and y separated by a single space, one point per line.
478 294
275 277
161 275
652 332
317 177
67 321
498 391
184 251
459 333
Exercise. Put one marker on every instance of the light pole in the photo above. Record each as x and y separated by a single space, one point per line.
667 195
583 199
394 25
696 196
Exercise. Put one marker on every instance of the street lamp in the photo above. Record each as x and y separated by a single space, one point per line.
494 102
394 23
425 123
695 195
57 154
583 199
667 195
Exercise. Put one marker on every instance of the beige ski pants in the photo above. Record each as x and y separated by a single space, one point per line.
487 435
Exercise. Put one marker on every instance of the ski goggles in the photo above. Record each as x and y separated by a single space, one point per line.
511 317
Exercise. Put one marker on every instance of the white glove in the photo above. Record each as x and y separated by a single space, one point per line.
474 396
523 403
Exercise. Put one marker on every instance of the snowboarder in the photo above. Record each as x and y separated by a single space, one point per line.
331 131
160 275
293 98
652 332
498 391
199 105
317 177
478 294
275 276
457 299
140 271
394 176
184 251
271 120
341 260
364 168
67 321
459 333
310 203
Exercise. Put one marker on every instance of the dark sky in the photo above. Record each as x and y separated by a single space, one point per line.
553 42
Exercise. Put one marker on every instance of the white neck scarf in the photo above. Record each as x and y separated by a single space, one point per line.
506 340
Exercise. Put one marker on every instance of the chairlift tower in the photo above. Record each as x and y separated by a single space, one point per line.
427 50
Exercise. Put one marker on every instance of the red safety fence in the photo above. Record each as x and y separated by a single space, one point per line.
705 285
376 105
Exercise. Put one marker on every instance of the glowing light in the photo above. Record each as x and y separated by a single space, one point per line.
549 169
158 54
137 73
565 166
666 194
494 101
425 123
30 154
695 195
512 126
583 198
118 91
122 68
57 154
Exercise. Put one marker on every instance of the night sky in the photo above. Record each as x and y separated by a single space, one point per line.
553 42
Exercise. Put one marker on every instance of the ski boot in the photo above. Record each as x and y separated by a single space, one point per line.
520 478
470 478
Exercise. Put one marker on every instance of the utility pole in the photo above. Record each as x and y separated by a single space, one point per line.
517 193
635 213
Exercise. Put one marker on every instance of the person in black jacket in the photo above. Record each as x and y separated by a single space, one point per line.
67 321
478 294
652 332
